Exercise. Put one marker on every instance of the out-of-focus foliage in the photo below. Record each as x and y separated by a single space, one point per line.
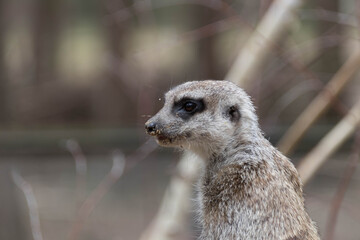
95 71
80 62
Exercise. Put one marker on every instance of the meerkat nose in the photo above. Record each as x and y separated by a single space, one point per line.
151 128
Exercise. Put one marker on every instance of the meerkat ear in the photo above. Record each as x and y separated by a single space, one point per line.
234 113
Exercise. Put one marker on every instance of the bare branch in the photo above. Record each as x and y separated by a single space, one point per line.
289 97
330 16
174 207
26 188
80 165
319 104
329 144
341 190
90 203
253 53
109 180
193 35
139 8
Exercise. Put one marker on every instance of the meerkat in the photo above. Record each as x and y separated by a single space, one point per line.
248 189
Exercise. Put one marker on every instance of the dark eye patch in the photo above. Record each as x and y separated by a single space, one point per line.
234 113
187 107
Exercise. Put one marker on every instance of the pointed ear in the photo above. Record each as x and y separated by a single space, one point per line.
234 113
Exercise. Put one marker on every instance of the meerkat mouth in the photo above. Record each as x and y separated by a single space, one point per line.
167 139
163 140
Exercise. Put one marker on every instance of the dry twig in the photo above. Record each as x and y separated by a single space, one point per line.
172 214
80 166
341 190
26 188
109 180
90 203
253 53
330 143
139 8
319 104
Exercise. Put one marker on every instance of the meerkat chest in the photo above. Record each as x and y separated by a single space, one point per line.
247 201
233 194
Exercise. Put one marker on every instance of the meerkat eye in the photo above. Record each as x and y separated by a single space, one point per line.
185 108
189 106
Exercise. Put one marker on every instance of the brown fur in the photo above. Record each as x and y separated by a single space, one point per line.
248 190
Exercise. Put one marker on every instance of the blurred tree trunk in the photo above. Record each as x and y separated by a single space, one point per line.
331 60
206 47
114 99
47 19
3 77
207 63
12 223
351 44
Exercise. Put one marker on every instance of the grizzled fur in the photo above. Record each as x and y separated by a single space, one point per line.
248 190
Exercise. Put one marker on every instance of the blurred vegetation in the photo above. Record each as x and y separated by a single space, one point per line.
103 63
96 70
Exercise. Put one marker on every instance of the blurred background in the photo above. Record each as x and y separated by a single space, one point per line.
78 79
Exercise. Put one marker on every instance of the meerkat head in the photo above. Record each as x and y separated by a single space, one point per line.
203 116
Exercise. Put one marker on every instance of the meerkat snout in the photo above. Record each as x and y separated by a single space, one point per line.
151 128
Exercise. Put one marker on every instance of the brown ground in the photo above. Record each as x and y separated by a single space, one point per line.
132 202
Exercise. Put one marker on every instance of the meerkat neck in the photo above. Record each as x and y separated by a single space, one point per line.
241 148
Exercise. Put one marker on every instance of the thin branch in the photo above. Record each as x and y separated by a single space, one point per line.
351 209
330 16
137 8
288 98
341 190
117 170
276 19
26 188
193 35
90 203
319 105
330 143
80 165
295 54
174 207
